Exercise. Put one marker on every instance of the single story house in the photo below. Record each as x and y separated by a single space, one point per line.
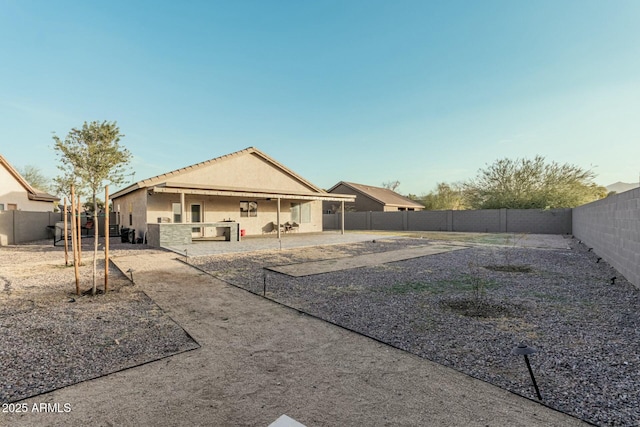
370 198
242 193
17 194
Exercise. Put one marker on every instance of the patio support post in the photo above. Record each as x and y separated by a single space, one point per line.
278 217
183 214
342 217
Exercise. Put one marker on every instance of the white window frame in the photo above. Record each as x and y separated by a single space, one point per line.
248 209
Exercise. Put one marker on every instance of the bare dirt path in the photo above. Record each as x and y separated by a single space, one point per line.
259 360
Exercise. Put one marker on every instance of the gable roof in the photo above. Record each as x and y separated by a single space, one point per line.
162 179
379 194
32 192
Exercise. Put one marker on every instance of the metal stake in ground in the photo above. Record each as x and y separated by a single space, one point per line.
264 282
525 350
130 271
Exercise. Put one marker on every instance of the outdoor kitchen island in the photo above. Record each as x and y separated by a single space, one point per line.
167 234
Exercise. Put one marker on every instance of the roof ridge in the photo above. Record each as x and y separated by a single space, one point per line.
368 189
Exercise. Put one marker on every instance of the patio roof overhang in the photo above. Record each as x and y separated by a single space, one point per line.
237 192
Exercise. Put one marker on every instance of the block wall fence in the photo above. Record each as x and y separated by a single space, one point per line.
611 227
23 226
553 221
18 227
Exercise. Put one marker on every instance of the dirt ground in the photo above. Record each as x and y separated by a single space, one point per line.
259 360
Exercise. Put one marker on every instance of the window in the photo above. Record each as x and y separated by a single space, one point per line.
176 208
1 206
248 209
301 212
12 207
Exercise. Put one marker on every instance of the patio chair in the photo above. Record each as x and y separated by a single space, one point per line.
295 226
88 226
270 227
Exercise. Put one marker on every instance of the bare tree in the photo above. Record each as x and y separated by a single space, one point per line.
35 178
391 185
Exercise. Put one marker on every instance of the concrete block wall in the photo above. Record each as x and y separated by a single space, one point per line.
556 221
387 221
430 220
24 226
354 221
552 221
483 221
611 226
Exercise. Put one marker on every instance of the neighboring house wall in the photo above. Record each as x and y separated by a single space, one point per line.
14 193
370 198
363 203
554 221
611 226
130 211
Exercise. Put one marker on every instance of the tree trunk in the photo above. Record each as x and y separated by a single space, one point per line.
66 230
78 226
95 242
74 242
106 239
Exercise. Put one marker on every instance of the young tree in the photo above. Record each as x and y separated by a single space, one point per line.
63 185
531 184
94 155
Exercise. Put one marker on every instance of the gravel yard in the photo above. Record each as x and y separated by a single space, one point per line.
51 338
463 310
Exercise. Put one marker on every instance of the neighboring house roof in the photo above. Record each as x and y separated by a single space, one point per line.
166 182
32 192
384 196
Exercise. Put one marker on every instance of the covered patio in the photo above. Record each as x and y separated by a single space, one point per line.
212 214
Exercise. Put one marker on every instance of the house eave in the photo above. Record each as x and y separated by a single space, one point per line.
248 193
43 197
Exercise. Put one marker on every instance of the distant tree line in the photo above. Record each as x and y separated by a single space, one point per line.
518 184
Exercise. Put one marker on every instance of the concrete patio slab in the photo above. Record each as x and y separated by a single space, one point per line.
270 242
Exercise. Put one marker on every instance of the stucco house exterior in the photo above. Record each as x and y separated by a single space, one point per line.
17 194
242 193
370 198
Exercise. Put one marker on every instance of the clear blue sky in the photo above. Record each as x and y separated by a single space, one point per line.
364 91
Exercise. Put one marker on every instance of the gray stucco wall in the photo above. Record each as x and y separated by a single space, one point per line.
23 226
611 226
